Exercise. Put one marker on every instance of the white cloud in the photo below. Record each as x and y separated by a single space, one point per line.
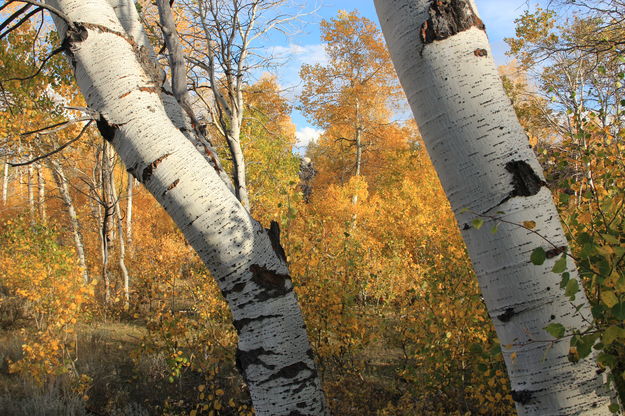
295 55
306 135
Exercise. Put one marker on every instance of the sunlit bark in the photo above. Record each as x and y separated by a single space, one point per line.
483 158
273 352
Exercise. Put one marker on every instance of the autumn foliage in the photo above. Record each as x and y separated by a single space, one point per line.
392 306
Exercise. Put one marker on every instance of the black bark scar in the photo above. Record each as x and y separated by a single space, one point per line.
107 130
524 180
252 357
146 175
275 284
274 236
522 396
447 18
507 315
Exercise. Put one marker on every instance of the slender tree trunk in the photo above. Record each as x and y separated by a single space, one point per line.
273 352
129 196
122 245
42 194
31 193
108 207
62 184
238 164
486 165
5 183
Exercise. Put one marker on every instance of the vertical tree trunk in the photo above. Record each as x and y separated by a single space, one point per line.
42 194
233 138
108 207
5 183
273 353
122 245
485 163
31 193
129 196
62 184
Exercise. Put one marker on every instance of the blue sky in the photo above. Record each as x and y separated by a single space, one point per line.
305 45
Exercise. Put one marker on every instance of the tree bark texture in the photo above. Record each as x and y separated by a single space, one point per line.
274 354
484 161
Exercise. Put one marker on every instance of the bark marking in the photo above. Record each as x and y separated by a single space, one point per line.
275 284
107 130
252 357
554 252
239 324
274 236
146 175
507 315
522 396
525 181
479 52
447 18
171 186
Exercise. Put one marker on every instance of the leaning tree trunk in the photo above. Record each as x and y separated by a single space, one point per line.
273 352
484 161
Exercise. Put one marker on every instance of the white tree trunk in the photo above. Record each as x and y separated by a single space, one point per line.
486 165
126 12
42 194
31 193
129 195
122 244
273 352
62 184
5 183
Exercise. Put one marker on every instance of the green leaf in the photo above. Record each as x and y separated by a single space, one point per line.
614 408
609 298
610 239
572 287
565 279
619 311
477 223
538 256
560 265
555 330
612 333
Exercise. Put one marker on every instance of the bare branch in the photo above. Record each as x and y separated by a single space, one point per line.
57 150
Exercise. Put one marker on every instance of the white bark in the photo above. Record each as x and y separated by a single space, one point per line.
273 352
126 12
122 245
5 183
31 193
479 151
129 195
62 184
42 194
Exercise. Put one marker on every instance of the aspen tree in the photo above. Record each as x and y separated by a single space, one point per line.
490 174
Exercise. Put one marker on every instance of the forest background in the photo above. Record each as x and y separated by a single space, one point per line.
106 309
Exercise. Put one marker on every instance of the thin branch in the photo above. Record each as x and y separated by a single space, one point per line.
21 22
14 16
57 150
43 63
53 128
49 8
